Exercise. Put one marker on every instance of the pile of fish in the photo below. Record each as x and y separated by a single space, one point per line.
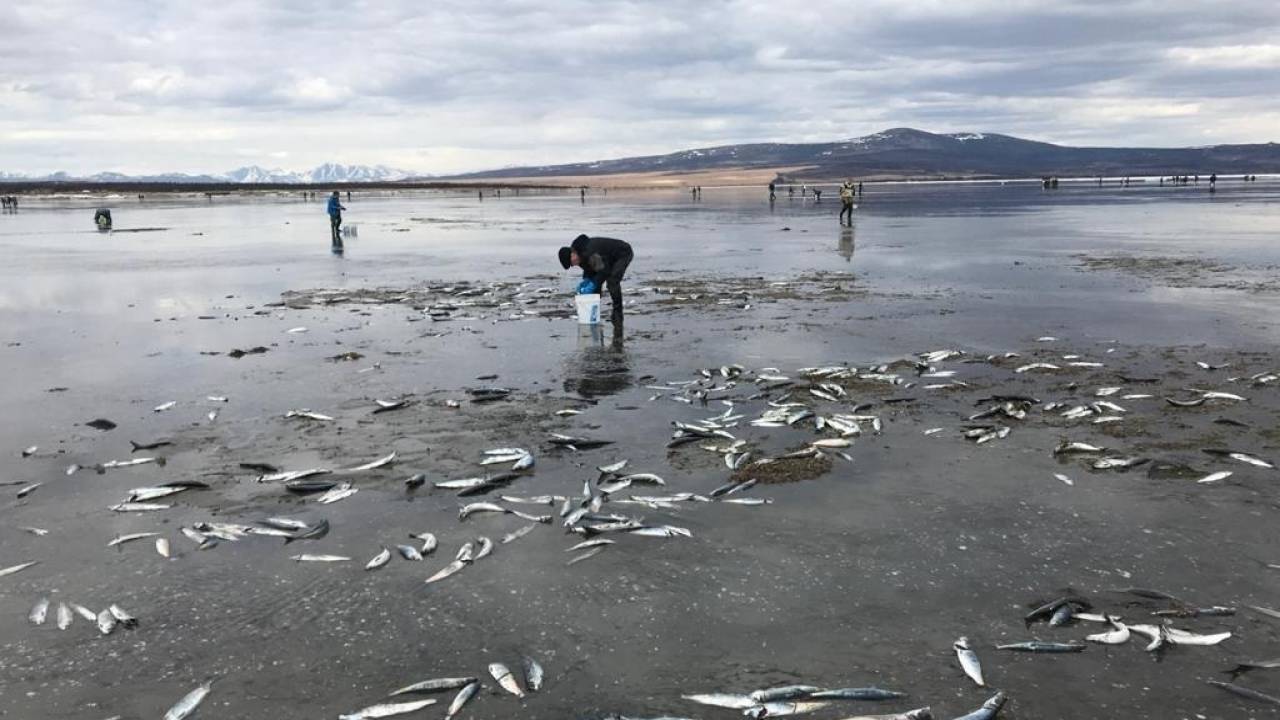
802 699
107 620
467 687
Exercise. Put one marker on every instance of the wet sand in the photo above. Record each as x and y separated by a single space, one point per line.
862 575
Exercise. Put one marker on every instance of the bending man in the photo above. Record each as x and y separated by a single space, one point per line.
603 261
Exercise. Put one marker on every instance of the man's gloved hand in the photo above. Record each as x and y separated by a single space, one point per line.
586 287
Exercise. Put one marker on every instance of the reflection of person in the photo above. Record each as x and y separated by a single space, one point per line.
599 369
846 242
335 209
846 201
603 261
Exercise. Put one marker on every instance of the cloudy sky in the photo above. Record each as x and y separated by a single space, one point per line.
173 85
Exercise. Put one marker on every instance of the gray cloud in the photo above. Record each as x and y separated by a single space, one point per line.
143 86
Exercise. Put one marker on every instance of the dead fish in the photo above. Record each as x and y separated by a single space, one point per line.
84 612
143 494
1215 395
415 481
777 709
1182 637
1215 477
1247 665
38 532
372 465
506 679
484 546
306 486
212 415
446 571
1037 646
532 674
989 709
918 714
111 464
724 700
387 710
434 685
65 616
868 693
379 560
429 542
1246 458
459 700
162 547
567 412
785 692
969 661
1193 612
164 406
149 446
462 484
189 702
1245 692
343 491
496 459
643 479
389 405
1119 634
1185 403
586 555
122 617
307 414
1037 366
1264 611
467 511
39 612
524 463
1115 463
305 557
1064 478
28 490
1077 447
106 622
612 468
409 552
664 531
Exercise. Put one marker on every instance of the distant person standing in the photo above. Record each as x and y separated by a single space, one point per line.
772 196
817 195
846 201
859 188
1213 180
335 209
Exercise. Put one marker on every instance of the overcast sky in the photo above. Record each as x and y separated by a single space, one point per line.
443 86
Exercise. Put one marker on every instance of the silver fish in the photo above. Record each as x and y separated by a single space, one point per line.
464 695
112 464
387 710
409 552
516 451
429 542
28 490
496 459
586 555
1215 477
505 679
532 674
379 560
969 661
1246 692
164 406
306 557
524 463
143 494
38 532
587 544
434 685
989 709
304 413
467 511
84 612
39 612
1037 646
484 546
65 617
162 547
343 491
189 702
446 571
917 714
724 700
122 539
612 468
28 452
1246 458
1077 447
786 692
1119 635
462 484
122 617
106 622
777 709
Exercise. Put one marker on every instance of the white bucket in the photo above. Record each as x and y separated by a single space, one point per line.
588 308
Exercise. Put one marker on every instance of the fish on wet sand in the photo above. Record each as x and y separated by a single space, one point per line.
464 695
122 617
371 465
1036 646
434 685
189 702
139 507
387 710
341 492
409 552
781 708
307 557
448 570
18 568
533 674
724 700
65 616
506 679
106 622
1215 477
1245 692
39 612
969 661
989 709
785 692
918 714
1118 635
162 547
382 558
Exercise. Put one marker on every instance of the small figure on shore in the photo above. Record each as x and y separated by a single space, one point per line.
335 209
480 195
582 193
817 195
791 191
604 261
803 189
772 196
348 196
846 201
1213 180
859 188
693 193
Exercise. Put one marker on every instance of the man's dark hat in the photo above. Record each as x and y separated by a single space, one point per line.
579 243
564 257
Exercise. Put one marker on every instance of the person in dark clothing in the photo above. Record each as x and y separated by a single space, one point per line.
335 209
603 261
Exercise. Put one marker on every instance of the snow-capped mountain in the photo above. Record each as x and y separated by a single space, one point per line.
328 173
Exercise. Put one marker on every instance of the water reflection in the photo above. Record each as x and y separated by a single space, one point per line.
600 366
845 246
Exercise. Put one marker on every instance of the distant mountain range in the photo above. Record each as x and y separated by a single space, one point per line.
328 173
904 152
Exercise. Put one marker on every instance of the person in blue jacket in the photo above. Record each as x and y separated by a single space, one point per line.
335 219
603 261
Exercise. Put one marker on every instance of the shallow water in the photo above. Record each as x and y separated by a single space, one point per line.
865 576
